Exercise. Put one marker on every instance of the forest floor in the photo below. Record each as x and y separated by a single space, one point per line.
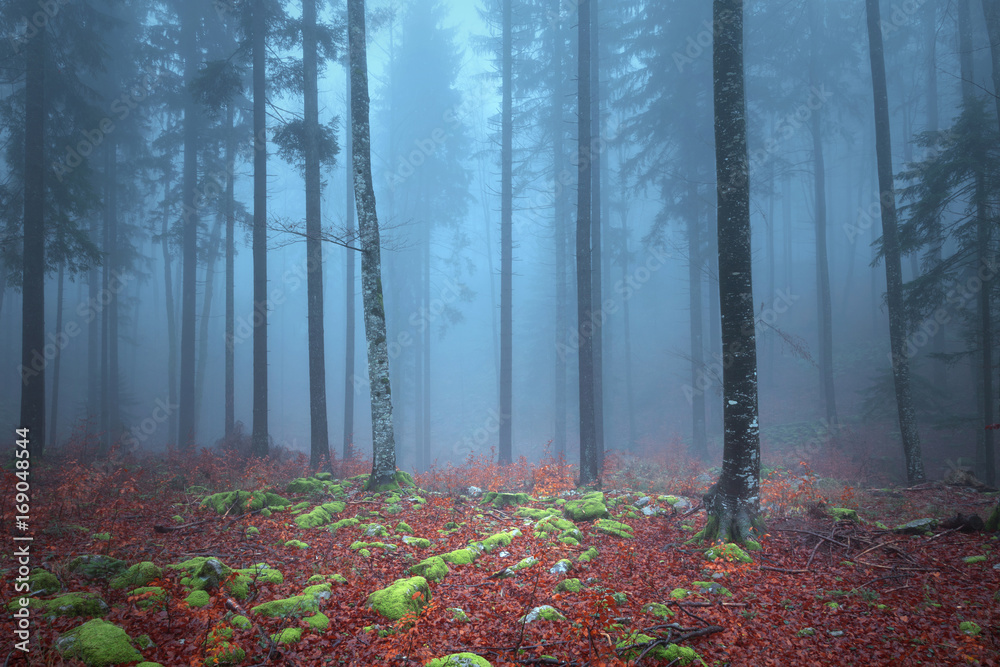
821 591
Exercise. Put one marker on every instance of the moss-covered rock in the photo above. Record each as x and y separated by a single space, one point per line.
459 660
70 604
543 613
43 582
314 486
287 636
588 555
432 569
416 542
241 622
713 588
343 523
296 544
319 591
672 653
729 552
591 506
240 502
844 514
535 514
972 560
138 575
203 573
458 614
616 528
498 499
96 566
460 556
98 643
569 586
657 609
916 527
298 605
148 597
320 515
399 599
318 622
198 599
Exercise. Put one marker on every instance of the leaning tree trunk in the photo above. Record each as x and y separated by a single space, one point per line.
259 438
589 469
319 449
890 248
33 276
383 443
505 452
734 502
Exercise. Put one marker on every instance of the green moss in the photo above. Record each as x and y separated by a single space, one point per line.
198 599
319 591
240 502
674 654
297 605
588 555
399 599
139 574
102 537
459 556
569 586
299 507
98 643
318 622
319 516
343 523
657 609
149 664
459 660
149 596
729 552
553 525
331 578
616 528
298 544
844 514
505 499
203 573
970 628
589 507
458 614
43 582
314 486
241 622
403 528
806 632
543 613
418 542
70 604
971 560
359 546
713 588
251 531
494 541
679 593
96 566
536 514
288 636
225 653
432 569
571 541
373 530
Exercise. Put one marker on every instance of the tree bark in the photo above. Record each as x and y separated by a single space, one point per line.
589 466
595 236
505 452
890 246
734 502
113 259
33 274
319 449
57 363
189 230
559 231
230 380
168 287
201 359
349 296
383 443
259 438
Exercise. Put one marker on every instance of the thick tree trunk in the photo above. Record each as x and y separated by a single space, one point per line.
383 442
505 451
589 465
734 502
33 274
319 449
260 439
349 296
595 236
189 231
890 247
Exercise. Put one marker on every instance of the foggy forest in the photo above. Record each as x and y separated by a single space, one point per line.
488 332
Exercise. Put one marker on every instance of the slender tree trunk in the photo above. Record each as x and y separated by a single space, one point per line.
505 452
57 363
699 436
991 14
260 439
230 381
589 464
425 438
383 444
823 301
168 286
33 274
890 246
627 336
319 430
189 231
349 296
939 346
211 256
734 502
595 236
114 267
559 232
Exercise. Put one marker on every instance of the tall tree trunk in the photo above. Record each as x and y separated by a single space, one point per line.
383 443
349 296
230 381
991 14
589 464
699 436
559 231
211 256
57 363
734 502
319 431
168 286
425 436
890 247
627 338
114 267
505 452
260 439
595 236
33 274
189 231
939 347
823 302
